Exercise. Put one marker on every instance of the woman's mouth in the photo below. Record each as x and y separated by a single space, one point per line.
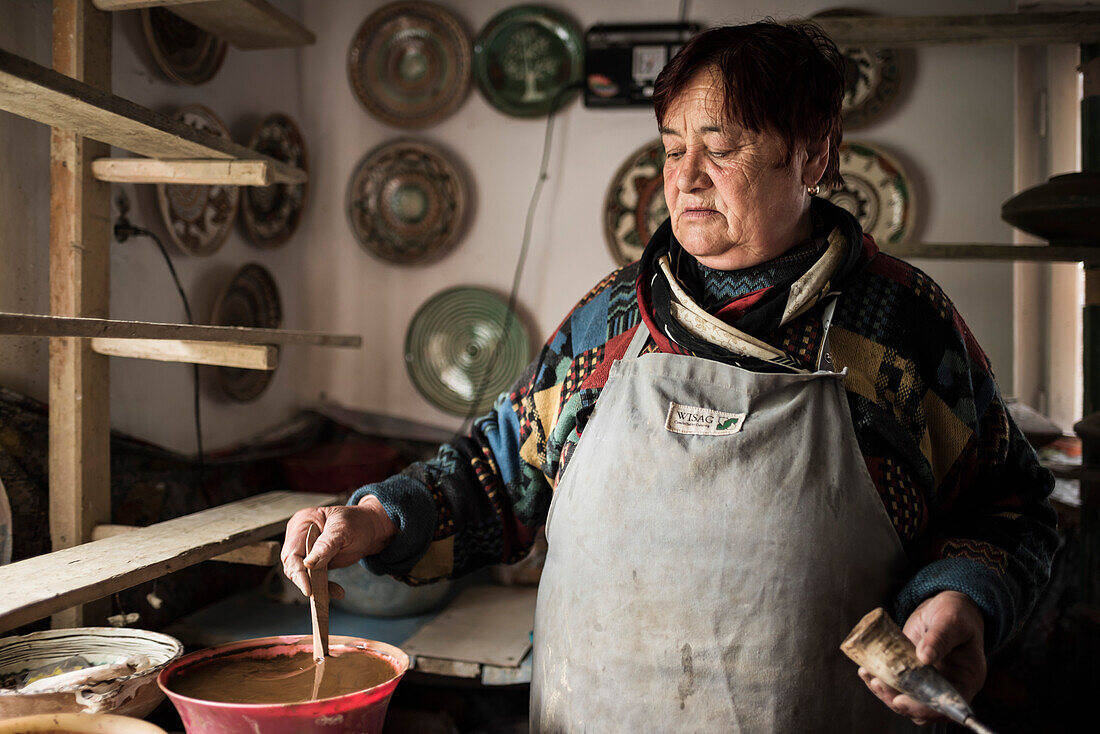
698 213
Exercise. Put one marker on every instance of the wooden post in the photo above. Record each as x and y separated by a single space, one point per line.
80 210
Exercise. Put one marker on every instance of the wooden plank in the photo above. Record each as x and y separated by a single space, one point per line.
263 553
1075 26
247 24
245 356
973 251
230 172
35 92
449 668
19 324
488 625
45 584
80 241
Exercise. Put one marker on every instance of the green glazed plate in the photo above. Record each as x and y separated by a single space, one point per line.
406 203
463 349
524 57
635 205
876 190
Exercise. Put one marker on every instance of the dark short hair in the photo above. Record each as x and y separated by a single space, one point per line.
786 78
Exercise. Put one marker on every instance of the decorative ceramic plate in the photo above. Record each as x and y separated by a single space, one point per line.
199 217
525 56
635 205
271 213
184 52
871 78
406 202
250 299
409 64
462 349
876 191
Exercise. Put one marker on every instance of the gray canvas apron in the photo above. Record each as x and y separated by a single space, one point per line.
714 538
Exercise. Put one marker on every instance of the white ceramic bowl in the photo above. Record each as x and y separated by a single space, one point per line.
132 695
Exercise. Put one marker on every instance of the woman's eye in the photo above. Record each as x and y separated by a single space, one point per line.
673 154
719 153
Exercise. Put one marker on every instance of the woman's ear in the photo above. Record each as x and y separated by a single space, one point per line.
817 158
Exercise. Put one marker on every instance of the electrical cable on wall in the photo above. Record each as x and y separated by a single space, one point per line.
123 231
522 260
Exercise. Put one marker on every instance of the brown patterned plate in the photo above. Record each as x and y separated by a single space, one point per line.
871 77
184 52
409 63
199 217
406 202
635 204
876 191
271 213
249 299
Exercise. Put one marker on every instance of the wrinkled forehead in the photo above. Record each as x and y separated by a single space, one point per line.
701 102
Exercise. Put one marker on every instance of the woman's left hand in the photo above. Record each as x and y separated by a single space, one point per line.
949 632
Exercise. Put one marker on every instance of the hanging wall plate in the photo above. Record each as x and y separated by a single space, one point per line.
199 217
271 213
406 202
184 52
462 349
409 64
525 56
871 77
249 299
635 204
876 191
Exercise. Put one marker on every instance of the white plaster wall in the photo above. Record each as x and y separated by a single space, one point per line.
953 132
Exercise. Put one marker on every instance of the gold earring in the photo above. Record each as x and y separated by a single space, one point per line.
813 190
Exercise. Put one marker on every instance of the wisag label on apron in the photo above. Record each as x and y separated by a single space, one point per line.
696 421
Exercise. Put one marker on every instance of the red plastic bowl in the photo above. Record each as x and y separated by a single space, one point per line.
360 712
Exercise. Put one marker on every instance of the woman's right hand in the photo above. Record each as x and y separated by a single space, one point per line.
348 533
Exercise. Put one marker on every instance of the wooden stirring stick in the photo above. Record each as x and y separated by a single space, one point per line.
318 599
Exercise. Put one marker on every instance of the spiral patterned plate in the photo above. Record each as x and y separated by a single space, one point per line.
406 202
199 217
872 77
251 298
409 63
184 52
462 349
635 204
525 56
876 191
271 213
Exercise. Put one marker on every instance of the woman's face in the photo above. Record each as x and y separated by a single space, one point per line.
732 204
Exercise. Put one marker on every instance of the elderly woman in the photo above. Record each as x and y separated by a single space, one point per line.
738 445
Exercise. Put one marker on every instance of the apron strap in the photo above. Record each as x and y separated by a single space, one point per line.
824 355
637 344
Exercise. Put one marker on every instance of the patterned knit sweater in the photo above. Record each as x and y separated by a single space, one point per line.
963 488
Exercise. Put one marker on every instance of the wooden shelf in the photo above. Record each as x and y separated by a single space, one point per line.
247 24
1010 253
1076 26
52 582
262 553
35 92
18 324
218 354
209 172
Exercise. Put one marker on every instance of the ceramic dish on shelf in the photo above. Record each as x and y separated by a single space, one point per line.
463 348
251 298
409 63
272 213
876 190
635 203
185 53
871 77
198 217
406 202
525 57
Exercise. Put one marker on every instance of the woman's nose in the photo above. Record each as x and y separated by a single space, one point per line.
691 175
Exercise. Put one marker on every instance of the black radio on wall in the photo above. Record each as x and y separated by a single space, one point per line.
622 61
